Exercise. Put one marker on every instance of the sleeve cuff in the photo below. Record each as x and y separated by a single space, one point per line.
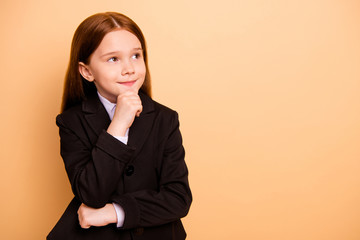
120 214
113 147
131 210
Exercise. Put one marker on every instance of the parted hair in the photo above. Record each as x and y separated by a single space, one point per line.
87 38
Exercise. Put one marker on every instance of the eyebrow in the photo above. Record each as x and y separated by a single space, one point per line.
116 52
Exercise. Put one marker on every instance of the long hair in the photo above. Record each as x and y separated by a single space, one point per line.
87 38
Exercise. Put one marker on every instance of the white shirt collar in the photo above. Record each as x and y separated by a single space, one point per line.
109 106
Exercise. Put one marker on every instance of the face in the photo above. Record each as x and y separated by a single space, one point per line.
117 65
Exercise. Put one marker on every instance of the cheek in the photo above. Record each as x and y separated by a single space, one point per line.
106 74
97 73
142 70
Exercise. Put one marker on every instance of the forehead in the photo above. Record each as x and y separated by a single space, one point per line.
118 40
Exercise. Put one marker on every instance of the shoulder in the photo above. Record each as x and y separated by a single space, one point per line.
70 115
160 110
76 113
164 109
167 119
150 105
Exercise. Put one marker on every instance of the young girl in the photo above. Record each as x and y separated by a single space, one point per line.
122 151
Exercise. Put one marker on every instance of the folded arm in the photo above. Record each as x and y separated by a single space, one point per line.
94 171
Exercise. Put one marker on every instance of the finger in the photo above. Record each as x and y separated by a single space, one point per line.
139 111
130 98
128 93
83 223
84 226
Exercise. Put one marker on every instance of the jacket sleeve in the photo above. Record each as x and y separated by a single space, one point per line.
146 208
93 171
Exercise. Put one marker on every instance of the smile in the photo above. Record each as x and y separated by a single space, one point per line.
128 83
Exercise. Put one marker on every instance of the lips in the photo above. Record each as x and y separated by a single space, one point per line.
128 83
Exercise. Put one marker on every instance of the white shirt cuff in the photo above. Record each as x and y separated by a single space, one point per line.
124 140
120 215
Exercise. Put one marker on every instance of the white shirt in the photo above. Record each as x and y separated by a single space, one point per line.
110 109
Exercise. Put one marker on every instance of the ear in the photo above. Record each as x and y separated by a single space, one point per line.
86 72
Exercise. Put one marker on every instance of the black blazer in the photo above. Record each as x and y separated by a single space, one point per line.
148 177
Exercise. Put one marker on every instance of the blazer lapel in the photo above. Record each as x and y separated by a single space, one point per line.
141 126
98 120
96 115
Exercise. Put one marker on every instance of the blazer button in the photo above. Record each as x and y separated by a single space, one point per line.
129 170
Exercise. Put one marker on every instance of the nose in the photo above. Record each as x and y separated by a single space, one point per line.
127 68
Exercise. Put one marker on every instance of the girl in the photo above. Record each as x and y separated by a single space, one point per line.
122 151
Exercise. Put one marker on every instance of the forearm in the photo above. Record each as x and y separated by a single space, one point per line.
99 178
94 173
147 208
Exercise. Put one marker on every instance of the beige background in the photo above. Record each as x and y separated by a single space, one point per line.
268 97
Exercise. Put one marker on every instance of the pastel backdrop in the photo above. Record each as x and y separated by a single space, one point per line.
268 97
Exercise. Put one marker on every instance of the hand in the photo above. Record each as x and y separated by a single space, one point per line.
128 106
96 216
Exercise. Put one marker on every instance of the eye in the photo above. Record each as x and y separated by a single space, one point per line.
136 56
113 59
